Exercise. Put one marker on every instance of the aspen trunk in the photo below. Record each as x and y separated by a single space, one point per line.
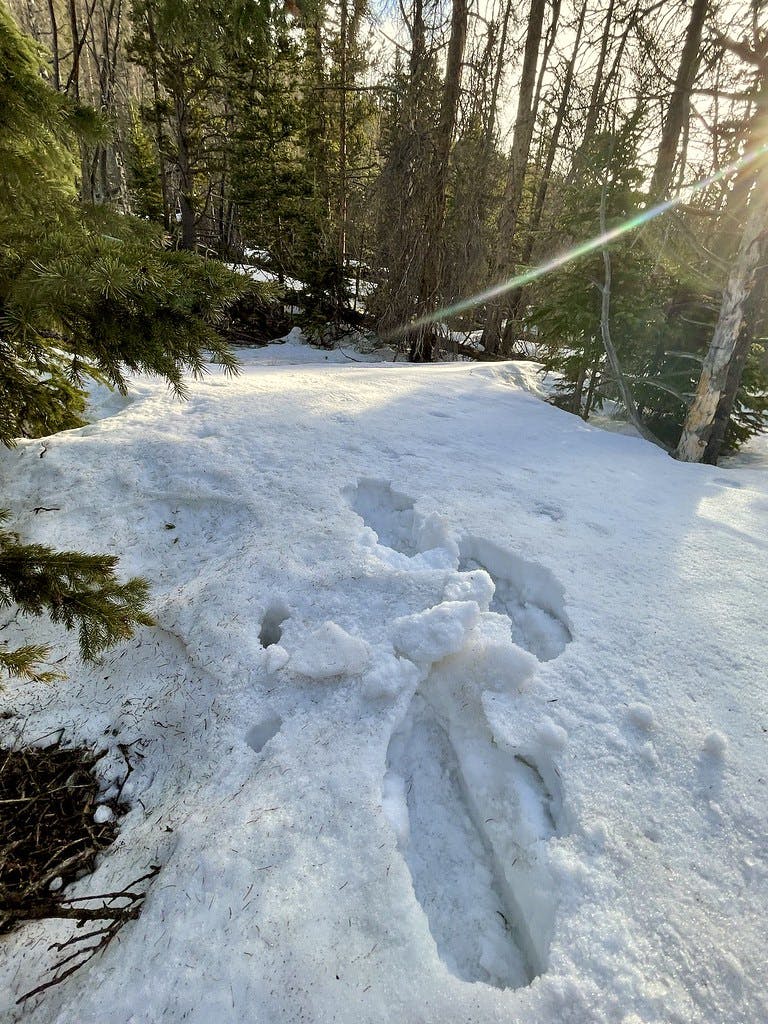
715 372
754 324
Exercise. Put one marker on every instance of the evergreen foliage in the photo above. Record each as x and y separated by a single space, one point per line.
663 310
83 291
143 165
76 590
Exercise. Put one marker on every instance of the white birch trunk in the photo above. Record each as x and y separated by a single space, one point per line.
714 374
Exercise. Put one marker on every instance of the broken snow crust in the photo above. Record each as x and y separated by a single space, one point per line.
454 710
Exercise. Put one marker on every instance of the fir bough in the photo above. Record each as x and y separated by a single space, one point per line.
84 291
76 589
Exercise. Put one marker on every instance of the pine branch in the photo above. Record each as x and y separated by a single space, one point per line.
75 589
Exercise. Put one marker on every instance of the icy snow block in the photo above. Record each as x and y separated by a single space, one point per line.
388 677
475 585
329 652
434 634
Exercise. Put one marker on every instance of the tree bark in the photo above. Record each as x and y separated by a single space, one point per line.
186 182
159 140
421 342
54 46
342 207
713 384
613 360
751 329
518 162
677 114
517 298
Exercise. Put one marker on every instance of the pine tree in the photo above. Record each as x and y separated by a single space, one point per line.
83 291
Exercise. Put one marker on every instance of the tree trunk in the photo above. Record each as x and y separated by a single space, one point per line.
159 140
55 46
594 376
513 192
517 298
342 208
186 183
677 114
421 342
713 383
751 329
613 360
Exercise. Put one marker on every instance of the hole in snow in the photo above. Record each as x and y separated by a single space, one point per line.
260 734
471 820
527 593
387 512
272 623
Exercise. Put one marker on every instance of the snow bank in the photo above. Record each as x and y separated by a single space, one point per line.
454 710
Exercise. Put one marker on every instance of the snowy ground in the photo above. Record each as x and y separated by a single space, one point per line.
455 710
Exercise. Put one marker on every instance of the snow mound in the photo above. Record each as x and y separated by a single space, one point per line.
329 652
434 634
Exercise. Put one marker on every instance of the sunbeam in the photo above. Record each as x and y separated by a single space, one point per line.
575 253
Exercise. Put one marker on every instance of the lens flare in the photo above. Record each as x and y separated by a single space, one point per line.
583 249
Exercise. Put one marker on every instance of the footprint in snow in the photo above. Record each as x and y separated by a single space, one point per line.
473 820
472 816
259 735
553 512
271 631
386 511
392 517
526 593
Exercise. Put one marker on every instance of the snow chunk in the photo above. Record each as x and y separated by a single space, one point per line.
389 677
642 716
276 658
551 735
330 651
715 743
476 585
648 753
103 814
434 634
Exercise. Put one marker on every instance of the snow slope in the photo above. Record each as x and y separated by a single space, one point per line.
455 710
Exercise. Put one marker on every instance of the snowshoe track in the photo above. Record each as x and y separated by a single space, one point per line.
473 816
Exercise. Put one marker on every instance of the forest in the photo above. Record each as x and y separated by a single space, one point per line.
385 168
383 511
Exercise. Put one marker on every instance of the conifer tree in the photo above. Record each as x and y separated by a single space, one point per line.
83 291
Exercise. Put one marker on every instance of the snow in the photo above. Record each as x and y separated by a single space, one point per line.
455 708
263 276
715 743
330 651
641 715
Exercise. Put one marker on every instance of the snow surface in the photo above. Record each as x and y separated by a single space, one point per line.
455 709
